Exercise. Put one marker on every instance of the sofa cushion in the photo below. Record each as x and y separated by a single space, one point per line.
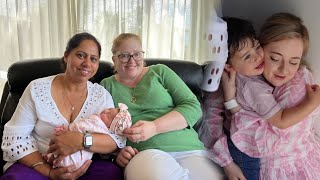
191 73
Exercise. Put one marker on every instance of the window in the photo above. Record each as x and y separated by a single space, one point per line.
38 29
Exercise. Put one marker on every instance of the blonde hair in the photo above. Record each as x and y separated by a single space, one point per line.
122 37
281 26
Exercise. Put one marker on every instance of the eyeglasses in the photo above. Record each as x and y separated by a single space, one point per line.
125 57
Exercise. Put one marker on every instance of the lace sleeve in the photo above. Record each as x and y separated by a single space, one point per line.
17 140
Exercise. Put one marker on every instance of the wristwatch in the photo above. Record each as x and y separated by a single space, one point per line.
87 141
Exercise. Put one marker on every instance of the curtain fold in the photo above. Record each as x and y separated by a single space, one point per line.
38 29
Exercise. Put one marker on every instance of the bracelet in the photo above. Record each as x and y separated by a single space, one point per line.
50 173
37 164
230 104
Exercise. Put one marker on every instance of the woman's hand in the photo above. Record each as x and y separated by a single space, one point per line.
141 131
65 143
68 173
233 172
125 155
228 81
313 94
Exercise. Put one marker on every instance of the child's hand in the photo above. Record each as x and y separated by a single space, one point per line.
233 172
228 81
125 155
313 94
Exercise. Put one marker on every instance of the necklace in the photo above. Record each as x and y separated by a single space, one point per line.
65 94
133 99
132 84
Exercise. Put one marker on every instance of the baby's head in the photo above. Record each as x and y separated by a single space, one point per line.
108 115
245 52
117 119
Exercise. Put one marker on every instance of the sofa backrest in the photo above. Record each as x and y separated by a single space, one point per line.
21 73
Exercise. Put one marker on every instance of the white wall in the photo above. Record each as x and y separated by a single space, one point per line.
258 10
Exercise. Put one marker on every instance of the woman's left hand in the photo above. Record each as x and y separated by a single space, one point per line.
68 172
141 131
65 143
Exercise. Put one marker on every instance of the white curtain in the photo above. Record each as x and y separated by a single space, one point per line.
41 28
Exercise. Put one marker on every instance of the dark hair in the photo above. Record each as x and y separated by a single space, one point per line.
238 31
75 41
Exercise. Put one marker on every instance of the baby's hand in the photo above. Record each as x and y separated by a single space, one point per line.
313 94
60 128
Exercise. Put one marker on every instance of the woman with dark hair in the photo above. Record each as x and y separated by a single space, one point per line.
54 101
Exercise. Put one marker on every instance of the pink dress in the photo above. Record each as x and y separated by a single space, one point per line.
211 128
286 154
216 119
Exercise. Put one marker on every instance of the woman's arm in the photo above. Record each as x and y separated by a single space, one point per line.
290 116
186 113
35 161
67 142
249 127
19 144
211 132
171 121
144 130
186 103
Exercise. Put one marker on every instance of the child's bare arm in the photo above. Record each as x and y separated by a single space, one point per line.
229 87
288 117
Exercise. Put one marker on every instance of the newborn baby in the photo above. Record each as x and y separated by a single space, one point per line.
111 121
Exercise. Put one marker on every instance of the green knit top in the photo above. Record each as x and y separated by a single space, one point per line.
160 91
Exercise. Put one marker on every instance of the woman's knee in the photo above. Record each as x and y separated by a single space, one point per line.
19 171
200 167
154 164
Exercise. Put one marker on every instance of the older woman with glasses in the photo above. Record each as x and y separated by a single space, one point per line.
162 143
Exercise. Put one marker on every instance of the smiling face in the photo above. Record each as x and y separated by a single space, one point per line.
282 60
83 61
133 68
248 59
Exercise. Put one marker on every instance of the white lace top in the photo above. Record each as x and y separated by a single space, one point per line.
32 124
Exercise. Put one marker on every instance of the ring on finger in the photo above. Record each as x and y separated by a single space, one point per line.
55 155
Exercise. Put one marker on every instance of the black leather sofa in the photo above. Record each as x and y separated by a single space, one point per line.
20 74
